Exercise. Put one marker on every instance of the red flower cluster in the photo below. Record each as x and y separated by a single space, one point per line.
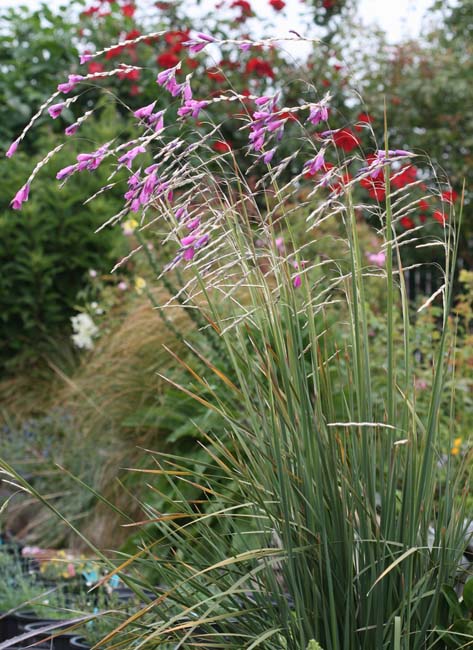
128 10
407 174
174 40
260 67
244 6
346 139
277 5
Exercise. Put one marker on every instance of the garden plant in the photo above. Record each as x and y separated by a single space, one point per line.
322 512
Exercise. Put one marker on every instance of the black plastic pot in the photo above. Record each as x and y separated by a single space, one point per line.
61 641
79 643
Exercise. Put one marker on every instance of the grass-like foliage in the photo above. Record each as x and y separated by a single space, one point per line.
323 516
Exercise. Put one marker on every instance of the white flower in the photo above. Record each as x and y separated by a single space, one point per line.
84 331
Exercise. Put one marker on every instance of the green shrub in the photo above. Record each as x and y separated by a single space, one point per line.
46 252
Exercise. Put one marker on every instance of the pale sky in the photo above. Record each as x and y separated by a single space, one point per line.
398 18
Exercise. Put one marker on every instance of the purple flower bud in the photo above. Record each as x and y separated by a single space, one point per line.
66 171
261 101
297 281
151 168
198 44
143 113
274 125
187 90
180 212
195 223
192 107
85 58
130 155
157 120
70 85
202 241
318 114
188 240
244 47
20 197
70 130
12 149
56 109
312 166
189 253
268 156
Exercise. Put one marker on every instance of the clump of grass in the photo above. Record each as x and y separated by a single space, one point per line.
324 514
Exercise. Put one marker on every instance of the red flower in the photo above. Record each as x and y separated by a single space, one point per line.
134 75
95 67
176 39
245 7
128 10
162 5
216 75
407 223
222 146
115 51
260 67
375 187
406 175
132 34
439 216
277 5
192 63
328 4
423 205
90 11
346 139
363 118
450 196
167 60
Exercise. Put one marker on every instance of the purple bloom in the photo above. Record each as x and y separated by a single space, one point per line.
12 149
195 223
188 240
268 156
318 113
377 258
157 120
187 90
189 253
70 130
274 125
70 85
180 212
244 47
145 111
192 107
148 187
20 197
56 109
66 171
130 155
85 58
197 44
261 101
312 166
202 241
297 281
